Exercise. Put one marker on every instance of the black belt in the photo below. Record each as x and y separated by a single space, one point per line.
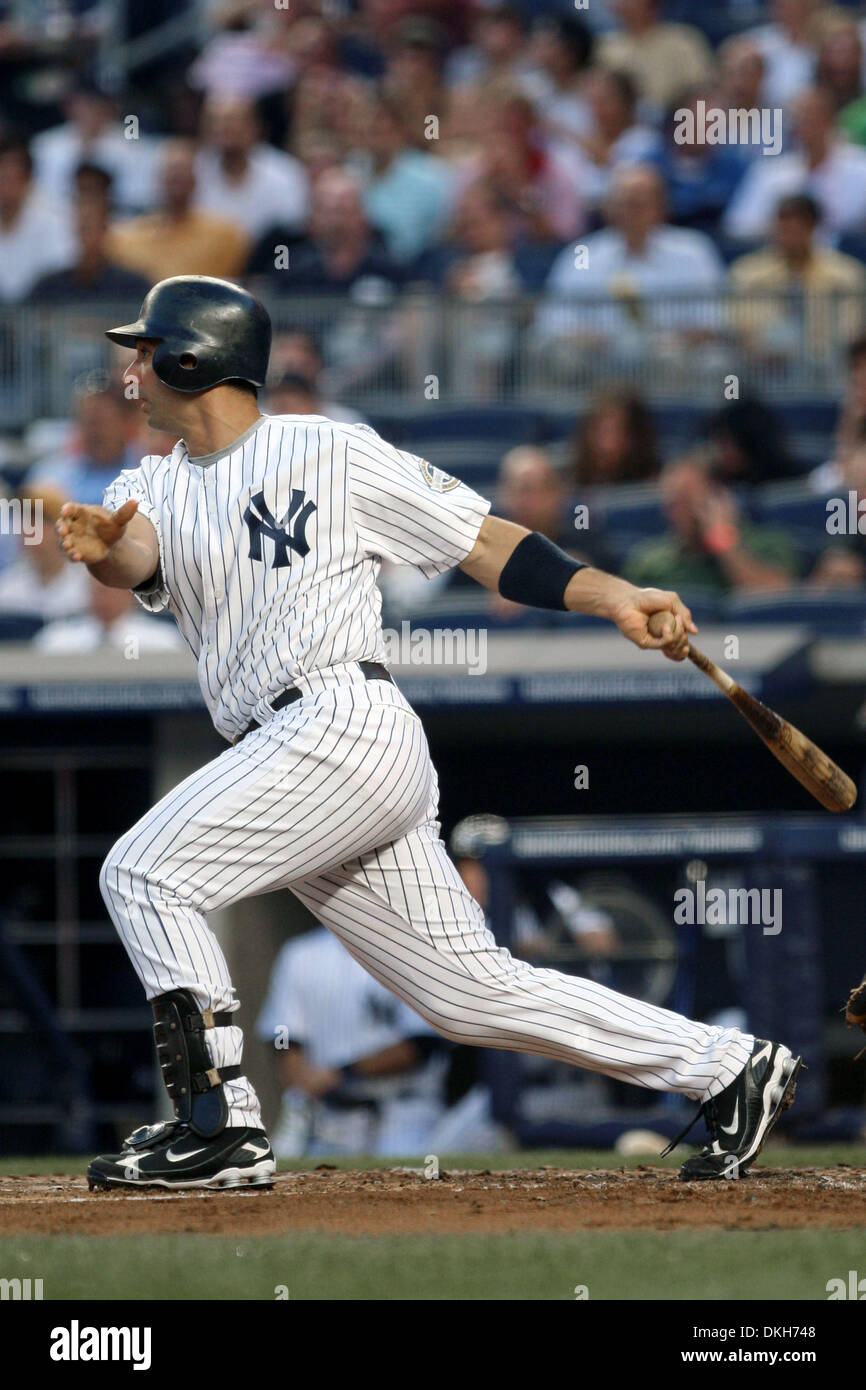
371 671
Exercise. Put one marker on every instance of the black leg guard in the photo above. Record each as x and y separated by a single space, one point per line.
194 1084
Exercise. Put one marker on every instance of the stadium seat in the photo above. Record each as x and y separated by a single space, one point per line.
468 443
18 627
624 516
578 620
556 425
794 508
853 244
534 261
464 605
809 427
677 424
632 507
838 611
478 422
793 505
13 475
817 416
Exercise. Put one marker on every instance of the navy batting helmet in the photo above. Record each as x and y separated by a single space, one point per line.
209 331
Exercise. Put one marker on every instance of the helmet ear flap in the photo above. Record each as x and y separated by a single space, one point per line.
178 366
163 363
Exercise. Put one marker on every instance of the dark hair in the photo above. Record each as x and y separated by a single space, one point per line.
96 173
856 349
86 84
422 32
800 205
757 432
511 14
16 145
574 34
625 84
248 387
640 459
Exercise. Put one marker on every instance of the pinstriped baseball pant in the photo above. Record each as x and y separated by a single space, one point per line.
336 798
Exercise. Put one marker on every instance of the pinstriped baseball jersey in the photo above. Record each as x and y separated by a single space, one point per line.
270 550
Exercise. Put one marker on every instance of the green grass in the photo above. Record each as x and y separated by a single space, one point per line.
717 1265
775 1155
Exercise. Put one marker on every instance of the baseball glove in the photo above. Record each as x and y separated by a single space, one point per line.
855 1009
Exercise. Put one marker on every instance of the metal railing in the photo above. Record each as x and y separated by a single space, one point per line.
423 347
119 56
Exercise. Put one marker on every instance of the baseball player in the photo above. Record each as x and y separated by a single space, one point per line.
264 536
361 1072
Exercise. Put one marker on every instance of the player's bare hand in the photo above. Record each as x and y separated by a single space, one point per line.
87 533
668 632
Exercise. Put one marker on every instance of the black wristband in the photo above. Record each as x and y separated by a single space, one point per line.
538 573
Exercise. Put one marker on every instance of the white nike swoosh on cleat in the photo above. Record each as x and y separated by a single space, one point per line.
732 1128
764 1053
133 1160
249 1151
178 1158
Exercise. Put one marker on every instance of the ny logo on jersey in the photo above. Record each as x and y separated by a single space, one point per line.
262 522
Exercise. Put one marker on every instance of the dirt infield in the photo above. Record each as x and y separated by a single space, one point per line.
394 1201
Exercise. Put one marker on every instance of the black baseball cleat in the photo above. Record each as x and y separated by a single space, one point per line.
173 1155
741 1117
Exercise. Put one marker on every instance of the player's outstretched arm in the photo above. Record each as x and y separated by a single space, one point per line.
528 568
119 548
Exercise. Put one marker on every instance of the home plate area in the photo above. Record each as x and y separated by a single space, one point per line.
395 1200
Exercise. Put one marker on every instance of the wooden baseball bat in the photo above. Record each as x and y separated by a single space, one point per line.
803 758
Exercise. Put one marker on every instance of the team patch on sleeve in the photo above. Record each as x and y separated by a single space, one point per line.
435 478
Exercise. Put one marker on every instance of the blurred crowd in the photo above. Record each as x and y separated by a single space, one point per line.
699 503
527 157
456 144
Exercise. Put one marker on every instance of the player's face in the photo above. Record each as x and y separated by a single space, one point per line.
160 406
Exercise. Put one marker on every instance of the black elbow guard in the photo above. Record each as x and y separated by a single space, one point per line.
538 573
